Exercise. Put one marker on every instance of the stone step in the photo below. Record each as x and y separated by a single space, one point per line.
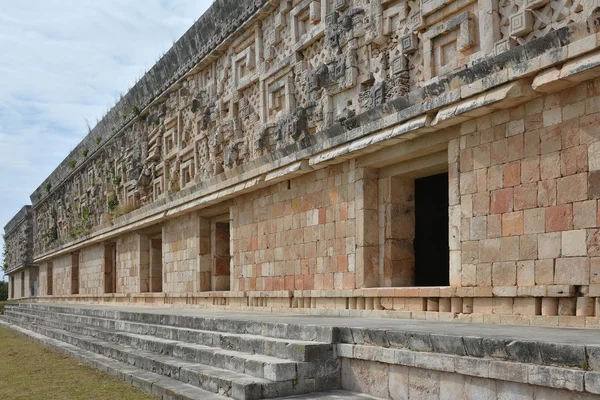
333 395
305 332
274 369
149 382
296 350
233 384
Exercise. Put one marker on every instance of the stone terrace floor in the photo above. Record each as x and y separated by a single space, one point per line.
578 336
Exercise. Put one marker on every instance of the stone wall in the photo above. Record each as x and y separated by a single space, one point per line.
528 206
298 235
91 275
44 280
61 275
181 261
128 263
18 240
304 138
288 75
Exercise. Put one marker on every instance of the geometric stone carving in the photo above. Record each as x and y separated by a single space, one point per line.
534 4
431 6
466 34
399 64
504 45
279 22
315 12
340 5
415 21
409 43
521 23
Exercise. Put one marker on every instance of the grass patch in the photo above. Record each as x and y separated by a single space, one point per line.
30 371
3 303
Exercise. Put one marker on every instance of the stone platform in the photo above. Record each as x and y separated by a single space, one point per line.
200 354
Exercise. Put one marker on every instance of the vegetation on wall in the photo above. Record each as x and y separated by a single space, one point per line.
4 255
72 164
3 291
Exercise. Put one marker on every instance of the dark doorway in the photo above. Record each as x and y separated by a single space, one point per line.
221 256
432 254
110 268
22 284
75 273
156 264
49 279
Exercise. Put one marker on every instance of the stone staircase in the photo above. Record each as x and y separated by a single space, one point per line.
189 357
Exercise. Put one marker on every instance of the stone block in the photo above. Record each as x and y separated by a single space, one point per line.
512 223
549 306
510 248
424 383
534 221
544 272
572 271
559 378
572 188
398 382
508 371
547 193
574 243
566 306
585 214
452 386
436 362
549 245
501 201
504 274
527 306
559 218
419 341
550 166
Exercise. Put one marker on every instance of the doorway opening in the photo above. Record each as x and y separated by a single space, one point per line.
33 281
432 253
156 264
221 251
110 267
49 280
22 283
75 273
151 260
12 287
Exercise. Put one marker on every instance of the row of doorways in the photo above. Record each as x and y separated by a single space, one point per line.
431 252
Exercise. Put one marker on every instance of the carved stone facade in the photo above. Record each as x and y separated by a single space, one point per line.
19 240
279 163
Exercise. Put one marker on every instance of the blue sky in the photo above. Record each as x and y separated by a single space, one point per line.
64 62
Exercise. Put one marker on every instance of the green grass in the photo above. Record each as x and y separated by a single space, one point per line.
3 303
30 371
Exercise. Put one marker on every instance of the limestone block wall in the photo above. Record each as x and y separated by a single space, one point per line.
298 235
15 291
398 382
128 263
43 279
91 279
181 266
61 275
525 208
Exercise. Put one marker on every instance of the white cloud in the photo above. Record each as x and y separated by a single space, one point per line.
67 61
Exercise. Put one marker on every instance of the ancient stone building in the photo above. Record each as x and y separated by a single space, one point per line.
427 159
424 159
